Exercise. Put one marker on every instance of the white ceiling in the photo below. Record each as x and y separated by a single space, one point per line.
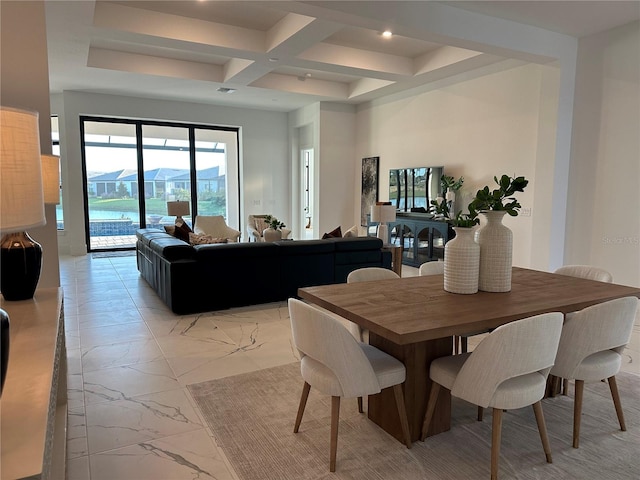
277 55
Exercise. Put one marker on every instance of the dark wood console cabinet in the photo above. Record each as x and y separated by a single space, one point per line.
422 239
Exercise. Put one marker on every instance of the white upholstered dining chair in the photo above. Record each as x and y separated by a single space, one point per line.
587 272
336 364
507 370
367 274
590 349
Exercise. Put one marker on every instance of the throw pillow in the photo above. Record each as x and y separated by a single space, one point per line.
335 233
199 239
170 229
182 232
352 232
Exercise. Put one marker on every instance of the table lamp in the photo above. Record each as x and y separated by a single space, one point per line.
178 209
51 179
383 214
22 203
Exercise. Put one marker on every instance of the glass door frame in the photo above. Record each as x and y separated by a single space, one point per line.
140 166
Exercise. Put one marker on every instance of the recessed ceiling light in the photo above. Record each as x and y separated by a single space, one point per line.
225 90
273 59
307 75
387 33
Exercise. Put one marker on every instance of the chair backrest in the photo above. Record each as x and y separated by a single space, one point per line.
210 225
257 222
605 326
586 271
511 350
324 339
368 274
431 268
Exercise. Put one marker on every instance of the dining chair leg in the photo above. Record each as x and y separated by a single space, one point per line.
480 413
360 408
577 411
464 344
402 413
542 429
456 343
335 416
431 406
496 433
613 386
303 404
565 386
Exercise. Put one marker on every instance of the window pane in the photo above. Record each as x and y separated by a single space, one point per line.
167 175
211 173
111 180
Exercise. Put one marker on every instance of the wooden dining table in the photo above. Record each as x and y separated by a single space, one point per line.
414 319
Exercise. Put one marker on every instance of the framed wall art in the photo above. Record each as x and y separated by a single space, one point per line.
370 174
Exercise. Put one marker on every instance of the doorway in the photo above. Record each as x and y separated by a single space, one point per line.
307 193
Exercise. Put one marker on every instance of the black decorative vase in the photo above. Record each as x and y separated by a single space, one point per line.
21 260
4 346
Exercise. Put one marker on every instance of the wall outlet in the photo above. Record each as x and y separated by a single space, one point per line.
525 212
256 203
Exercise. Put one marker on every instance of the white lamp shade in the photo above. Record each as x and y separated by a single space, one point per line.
51 179
387 213
21 195
178 208
375 213
383 213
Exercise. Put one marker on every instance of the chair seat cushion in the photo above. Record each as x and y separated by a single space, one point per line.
444 370
598 366
519 392
389 370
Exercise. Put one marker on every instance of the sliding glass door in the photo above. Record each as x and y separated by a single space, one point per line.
133 168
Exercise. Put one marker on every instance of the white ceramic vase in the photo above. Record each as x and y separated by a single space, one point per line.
461 262
271 235
496 247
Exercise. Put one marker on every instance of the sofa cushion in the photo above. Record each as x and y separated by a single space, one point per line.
171 248
198 239
352 232
145 235
335 233
182 232
304 247
355 243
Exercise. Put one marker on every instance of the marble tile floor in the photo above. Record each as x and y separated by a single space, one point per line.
129 362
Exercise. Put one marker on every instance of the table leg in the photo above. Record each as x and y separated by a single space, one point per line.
416 357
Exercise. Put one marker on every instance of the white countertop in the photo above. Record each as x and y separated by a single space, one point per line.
36 357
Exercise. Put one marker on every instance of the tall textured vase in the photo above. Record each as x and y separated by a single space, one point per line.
461 262
496 246
271 235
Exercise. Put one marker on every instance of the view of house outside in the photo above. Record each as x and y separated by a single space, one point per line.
112 183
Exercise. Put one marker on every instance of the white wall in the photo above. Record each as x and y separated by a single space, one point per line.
604 201
24 83
264 154
477 129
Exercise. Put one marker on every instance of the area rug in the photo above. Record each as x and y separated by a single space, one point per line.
252 416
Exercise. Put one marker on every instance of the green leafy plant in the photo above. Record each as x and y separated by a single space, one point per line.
448 183
273 222
440 208
486 199
464 220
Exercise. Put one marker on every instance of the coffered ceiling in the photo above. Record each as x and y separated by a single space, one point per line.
279 55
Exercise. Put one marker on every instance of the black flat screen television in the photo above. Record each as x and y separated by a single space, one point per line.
414 188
